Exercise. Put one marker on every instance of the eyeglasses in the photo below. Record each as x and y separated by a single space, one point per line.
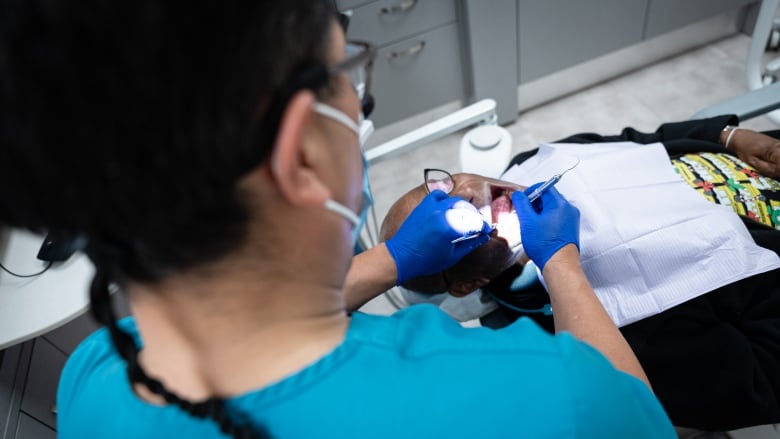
438 179
358 64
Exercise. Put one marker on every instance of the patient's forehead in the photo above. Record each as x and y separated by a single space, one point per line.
463 178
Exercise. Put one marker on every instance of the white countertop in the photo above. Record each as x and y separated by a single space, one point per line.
32 306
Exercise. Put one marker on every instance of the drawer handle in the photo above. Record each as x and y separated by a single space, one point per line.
401 7
414 50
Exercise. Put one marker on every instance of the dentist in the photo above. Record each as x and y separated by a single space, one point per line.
209 154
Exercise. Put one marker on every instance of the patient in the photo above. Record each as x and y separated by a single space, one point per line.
713 361
492 198
726 164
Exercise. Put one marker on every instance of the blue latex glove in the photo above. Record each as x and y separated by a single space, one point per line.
423 244
551 223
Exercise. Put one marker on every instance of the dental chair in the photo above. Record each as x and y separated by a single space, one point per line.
487 143
758 101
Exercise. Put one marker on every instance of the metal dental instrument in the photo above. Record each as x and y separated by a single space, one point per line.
531 198
473 235
546 185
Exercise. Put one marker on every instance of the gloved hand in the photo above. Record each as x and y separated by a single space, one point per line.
423 244
545 230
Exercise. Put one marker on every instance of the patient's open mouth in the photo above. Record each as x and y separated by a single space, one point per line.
504 216
501 203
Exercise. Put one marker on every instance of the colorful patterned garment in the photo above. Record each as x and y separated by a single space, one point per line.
725 179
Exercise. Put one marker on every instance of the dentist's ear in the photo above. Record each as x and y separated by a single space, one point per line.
290 165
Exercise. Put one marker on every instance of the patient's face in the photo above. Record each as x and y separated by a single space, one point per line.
493 198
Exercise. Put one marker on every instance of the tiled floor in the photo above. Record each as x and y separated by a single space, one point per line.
670 90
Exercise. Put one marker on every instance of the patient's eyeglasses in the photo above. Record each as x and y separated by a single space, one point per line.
438 179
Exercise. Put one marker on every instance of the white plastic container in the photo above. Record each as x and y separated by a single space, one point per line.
485 150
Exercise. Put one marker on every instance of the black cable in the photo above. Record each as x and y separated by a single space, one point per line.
26 275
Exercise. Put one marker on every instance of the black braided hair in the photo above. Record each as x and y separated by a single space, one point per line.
146 114
214 408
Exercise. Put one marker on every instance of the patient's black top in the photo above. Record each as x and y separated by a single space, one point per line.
713 361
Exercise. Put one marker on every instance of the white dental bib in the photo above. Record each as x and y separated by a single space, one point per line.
648 241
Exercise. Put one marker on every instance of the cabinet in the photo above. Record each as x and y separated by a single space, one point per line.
419 64
668 15
433 52
554 34
417 74
585 43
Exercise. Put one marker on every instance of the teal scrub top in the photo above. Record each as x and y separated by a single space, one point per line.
416 373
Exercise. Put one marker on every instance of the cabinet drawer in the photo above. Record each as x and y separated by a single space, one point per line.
556 34
40 392
369 23
29 428
668 15
417 74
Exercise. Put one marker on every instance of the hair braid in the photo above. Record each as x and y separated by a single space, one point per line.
214 408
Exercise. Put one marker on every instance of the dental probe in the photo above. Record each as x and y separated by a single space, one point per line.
546 185
540 189
473 235
535 194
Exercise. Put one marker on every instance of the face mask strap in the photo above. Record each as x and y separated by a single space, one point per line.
342 210
337 115
357 220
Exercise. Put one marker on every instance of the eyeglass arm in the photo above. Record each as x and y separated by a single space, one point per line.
478 113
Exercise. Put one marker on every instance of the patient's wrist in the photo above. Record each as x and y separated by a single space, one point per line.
727 136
